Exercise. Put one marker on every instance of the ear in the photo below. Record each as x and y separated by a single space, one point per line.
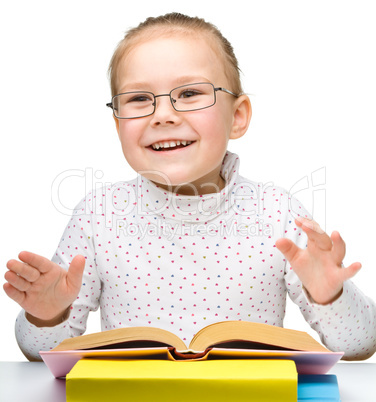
242 116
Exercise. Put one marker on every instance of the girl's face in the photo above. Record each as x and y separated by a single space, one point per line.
158 66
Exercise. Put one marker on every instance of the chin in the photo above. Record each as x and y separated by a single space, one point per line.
168 177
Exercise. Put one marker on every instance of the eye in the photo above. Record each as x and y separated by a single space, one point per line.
140 98
189 93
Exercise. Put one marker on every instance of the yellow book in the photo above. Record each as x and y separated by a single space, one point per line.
94 380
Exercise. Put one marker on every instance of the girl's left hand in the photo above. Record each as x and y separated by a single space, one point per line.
319 266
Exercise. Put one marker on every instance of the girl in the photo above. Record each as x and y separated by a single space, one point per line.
190 241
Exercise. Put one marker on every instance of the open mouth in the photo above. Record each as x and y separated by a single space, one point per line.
170 145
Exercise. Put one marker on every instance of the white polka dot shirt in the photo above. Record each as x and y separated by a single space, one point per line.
159 259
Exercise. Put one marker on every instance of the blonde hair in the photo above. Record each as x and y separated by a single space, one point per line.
176 23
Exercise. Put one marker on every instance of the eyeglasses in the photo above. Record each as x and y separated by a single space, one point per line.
186 98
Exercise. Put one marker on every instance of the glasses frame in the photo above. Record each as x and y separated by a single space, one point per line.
215 90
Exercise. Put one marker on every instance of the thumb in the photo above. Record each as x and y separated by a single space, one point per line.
352 270
288 248
75 272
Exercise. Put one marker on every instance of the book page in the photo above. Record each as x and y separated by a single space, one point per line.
123 337
263 334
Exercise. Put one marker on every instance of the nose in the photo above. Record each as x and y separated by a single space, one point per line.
164 111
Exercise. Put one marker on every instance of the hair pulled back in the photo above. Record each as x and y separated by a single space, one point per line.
176 23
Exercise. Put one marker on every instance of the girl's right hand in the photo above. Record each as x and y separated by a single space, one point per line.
42 288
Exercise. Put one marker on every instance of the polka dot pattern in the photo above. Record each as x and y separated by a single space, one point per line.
154 258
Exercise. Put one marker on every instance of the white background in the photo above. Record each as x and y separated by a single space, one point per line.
309 65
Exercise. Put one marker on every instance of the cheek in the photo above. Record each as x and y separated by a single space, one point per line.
128 133
214 125
129 139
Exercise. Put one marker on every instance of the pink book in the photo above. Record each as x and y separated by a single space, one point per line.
221 340
61 362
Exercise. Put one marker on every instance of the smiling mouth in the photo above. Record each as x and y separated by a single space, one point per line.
170 145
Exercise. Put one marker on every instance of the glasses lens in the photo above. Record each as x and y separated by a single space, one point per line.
193 97
133 104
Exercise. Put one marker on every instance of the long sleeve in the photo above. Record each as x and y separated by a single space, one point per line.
77 239
180 263
349 323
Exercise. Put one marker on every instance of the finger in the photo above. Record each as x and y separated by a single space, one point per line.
24 270
14 293
352 270
339 247
16 281
37 261
315 233
75 272
308 223
288 248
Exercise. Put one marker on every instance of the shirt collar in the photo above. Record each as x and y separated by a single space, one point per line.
155 201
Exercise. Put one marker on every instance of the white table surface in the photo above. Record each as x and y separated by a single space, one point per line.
33 382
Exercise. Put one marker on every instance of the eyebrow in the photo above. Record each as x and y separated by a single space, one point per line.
188 79
143 85
134 86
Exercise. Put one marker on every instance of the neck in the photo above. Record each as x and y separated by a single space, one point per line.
198 187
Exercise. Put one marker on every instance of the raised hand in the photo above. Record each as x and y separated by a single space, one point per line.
319 266
42 288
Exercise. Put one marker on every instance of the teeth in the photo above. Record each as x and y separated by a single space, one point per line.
170 144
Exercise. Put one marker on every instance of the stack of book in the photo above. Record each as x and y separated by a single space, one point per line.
231 360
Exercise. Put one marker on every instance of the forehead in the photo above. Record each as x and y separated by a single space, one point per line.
171 60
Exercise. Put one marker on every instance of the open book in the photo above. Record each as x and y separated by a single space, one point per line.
222 340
